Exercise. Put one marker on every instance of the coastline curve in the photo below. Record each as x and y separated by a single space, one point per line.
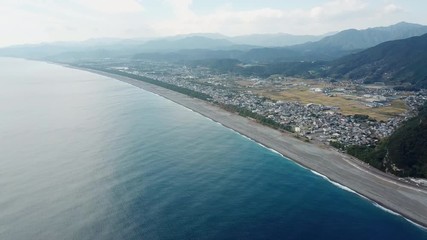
385 191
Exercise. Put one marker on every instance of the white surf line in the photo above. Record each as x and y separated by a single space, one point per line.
130 81
370 200
338 184
398 214
289 159
260 144
386 209
416 224
348 161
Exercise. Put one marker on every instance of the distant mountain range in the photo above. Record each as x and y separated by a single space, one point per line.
275 40
399 62
191 42
70 51
353 54
218 41
337 45
353 39
325 49
249 48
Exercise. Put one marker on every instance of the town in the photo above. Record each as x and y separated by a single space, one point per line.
316 112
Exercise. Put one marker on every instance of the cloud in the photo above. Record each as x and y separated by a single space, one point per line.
328 16
335 8
57 20
112 6
180 7
232 22
392 8
33 21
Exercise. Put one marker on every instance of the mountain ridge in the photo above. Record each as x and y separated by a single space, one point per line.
184 47
353 39
394 62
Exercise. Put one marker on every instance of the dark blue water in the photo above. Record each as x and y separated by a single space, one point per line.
88 157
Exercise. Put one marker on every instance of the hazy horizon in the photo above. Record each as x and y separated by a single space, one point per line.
37 21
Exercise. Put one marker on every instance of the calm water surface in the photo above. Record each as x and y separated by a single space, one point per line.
88 157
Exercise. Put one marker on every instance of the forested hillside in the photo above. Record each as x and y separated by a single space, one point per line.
404 153
395 62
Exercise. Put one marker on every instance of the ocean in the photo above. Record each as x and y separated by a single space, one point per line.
85 156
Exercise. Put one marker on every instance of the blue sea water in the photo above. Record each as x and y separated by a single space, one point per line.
87 157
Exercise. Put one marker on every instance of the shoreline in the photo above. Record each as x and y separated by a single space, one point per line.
387 191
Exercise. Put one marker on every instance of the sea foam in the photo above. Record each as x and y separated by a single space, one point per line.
385 209
397 214
314 172
338 185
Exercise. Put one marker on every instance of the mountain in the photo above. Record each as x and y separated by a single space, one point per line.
407 146
404 152
290 54
274 40
270 55
353 39
249 48
75 50
395 62
261 40
189 55
335 46
190 42
111 48
216 41
205 35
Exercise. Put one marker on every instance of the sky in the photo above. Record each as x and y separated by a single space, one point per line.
35 21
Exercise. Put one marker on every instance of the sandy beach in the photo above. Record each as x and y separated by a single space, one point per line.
388 191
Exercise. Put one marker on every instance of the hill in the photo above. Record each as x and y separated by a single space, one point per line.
407 147
395 62
404 152
353 39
